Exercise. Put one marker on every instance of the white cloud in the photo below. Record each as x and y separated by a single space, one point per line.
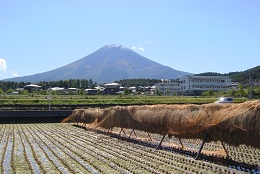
4 73
141 49
138 48
2 65
151 42
14 74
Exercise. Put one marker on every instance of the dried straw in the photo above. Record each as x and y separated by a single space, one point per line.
231 123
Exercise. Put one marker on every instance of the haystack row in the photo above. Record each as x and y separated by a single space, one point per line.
234 124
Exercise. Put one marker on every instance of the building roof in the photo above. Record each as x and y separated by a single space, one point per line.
57 89
32 86
73 89
112 84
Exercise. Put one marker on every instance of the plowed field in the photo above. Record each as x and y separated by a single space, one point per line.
64 148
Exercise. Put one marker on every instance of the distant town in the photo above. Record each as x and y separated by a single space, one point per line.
188 85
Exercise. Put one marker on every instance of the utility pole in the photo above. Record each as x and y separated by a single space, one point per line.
49 98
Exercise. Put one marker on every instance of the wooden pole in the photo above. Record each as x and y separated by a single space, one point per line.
225 149
159 146
123 131
181 143
120 131
131 133
149 136
201 147
135 133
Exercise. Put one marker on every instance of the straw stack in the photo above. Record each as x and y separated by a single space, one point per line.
231 123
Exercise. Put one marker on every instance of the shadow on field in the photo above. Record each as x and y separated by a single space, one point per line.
213 159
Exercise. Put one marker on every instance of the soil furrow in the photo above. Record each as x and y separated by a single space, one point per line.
70 160
30 153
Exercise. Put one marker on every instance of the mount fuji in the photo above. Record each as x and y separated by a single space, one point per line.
107 64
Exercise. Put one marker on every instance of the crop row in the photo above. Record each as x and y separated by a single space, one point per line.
242 154
63 148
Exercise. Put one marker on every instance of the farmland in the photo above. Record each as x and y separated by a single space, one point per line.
105 99
64 148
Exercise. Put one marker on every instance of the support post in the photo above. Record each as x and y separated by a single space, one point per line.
225 149
109 130
122 130
149 136
131 133
159 146
201 147
135 133
181 143
85 126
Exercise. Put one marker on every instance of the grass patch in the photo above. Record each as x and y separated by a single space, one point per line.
108 99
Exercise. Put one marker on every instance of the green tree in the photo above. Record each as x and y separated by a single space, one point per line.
1 92
127 91
24 92
157 92
44 92
208 93
53 92
232 93
241 91
10 91
81 92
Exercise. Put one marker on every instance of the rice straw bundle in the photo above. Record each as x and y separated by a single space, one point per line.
231 123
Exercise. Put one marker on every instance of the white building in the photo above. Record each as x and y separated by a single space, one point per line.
197 84
111 88
112 85
32 87
167 88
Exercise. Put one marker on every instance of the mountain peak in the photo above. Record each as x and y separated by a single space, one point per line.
116 46
107 64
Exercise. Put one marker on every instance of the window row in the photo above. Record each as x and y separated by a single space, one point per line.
203 87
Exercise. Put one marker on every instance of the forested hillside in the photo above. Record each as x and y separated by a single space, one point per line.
242 76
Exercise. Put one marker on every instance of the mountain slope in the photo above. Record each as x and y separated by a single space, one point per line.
109 63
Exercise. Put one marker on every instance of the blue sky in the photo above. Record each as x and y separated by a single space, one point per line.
189 35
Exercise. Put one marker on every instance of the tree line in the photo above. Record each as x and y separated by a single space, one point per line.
71 83
241 77
240 92
139 82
